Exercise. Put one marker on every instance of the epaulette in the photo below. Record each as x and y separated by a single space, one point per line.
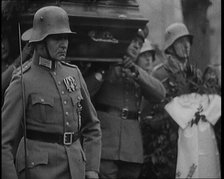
68 64
158 66
25 67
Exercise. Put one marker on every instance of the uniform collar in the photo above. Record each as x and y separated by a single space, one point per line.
47 63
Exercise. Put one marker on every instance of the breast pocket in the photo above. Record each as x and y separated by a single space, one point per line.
42 108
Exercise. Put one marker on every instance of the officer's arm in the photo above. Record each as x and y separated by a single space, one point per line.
90 130
6 78
7 75
151 87
12 113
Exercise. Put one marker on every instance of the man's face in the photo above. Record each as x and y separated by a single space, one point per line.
134 48
5 48
57 46
182 46
145 61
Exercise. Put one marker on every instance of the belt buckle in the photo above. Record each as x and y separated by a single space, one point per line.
124 113
68 138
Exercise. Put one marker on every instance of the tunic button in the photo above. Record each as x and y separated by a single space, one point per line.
67 123
62 92
54 73
32 163
65 102
66 113
42 100
59 83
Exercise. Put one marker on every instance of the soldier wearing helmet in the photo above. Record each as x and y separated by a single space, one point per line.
146 57
58 110
117 93
8 65
177 48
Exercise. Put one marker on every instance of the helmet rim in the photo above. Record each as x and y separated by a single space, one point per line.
49 20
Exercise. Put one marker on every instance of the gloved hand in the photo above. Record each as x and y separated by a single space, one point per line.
130 68
128 62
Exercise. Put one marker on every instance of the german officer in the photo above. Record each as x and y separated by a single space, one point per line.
145 60
117 100
146 57
177 48
58 110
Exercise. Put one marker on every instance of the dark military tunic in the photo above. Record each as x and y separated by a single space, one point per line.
171 66
51 108
121 138
161 71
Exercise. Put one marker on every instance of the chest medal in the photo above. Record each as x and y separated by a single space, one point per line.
70 84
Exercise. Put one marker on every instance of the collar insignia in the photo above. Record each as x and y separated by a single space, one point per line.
45 62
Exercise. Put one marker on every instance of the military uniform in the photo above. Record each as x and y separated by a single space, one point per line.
6 77
57 104
172 65
161 71
118 103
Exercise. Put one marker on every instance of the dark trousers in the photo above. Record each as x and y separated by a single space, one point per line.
116 169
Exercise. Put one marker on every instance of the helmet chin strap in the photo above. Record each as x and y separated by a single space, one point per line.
48 54
183 61
47 51
185 58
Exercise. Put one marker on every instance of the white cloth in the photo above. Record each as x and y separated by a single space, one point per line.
198 155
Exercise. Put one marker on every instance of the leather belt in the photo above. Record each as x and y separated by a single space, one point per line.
124 112
63 139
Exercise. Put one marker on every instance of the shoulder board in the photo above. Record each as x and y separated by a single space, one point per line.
68 64
25 67
158 66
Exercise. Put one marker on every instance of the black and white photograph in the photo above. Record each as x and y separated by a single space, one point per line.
111 89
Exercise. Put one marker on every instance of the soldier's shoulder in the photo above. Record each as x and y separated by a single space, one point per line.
69 65
25 68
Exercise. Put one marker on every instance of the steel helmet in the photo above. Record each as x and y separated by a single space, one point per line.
27 34
47 21
175 31
147 46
